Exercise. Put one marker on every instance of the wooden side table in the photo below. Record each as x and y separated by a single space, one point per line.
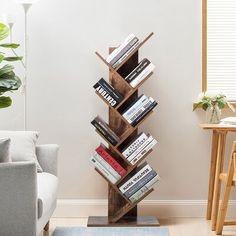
217 160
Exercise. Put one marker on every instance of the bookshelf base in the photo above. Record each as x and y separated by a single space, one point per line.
139 221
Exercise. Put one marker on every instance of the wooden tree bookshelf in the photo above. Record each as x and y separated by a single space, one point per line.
121 211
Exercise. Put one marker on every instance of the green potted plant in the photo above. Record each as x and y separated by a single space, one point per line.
9 81
212 103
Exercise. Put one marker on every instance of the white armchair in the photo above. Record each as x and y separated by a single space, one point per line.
27 198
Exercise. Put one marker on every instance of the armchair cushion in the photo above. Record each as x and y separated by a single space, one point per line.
23 145
4 150
47 192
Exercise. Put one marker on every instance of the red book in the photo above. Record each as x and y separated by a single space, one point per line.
110 160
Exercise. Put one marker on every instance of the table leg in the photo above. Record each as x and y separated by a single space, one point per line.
214 146
219 167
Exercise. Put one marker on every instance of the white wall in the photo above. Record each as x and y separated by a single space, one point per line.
64 34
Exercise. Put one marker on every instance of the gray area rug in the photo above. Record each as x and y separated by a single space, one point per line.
110 231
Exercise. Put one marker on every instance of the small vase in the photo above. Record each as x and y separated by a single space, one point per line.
213 114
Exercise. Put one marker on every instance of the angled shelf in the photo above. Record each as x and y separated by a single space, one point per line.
121 211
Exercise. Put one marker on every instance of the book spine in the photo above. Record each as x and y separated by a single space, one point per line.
140 184
141 66
108 175
138 112
120 47
111 90
105 94
134 145
133 180
124 50
142 75
149 109
125 55
135 106
104 133
144 151
136 196
111 161
138 150
106 166
104 125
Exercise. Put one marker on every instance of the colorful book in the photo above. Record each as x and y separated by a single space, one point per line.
138 70
114 93
102 151
104 133
139 149
141 116
105 126
140 183
134 144
120 47
102 169
142 75
124 50
135 106
138 112
142 170
144 151
106 165
103 92
141 192
125 55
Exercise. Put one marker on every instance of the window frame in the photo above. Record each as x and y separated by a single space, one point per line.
204 49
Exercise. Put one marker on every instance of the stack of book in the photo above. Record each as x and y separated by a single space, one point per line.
103 128
107 165
112 96
139 109
123 50
138 147
144 68
140 183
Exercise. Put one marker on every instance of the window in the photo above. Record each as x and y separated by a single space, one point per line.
219 46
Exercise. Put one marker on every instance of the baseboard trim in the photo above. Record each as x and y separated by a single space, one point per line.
159 208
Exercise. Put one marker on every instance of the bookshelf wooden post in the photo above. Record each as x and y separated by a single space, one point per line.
121 212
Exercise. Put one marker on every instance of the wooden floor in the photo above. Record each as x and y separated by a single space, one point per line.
177 226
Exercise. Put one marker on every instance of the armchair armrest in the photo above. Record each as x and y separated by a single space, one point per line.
18 198
47 157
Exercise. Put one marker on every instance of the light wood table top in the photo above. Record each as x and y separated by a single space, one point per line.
219 127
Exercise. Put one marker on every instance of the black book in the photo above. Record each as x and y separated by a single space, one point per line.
141 66
104 133
105 94
142 115
115 94
140 183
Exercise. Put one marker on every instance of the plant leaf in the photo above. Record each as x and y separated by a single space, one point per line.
6 69
13 58
197 105
1 57
10 45
5 102
4 31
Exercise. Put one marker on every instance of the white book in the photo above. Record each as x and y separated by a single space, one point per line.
134 179
101 168
144 151
106 165
120 47
229 120
142 75
134 145
136 196
142 100
125 55
140 110
138 150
